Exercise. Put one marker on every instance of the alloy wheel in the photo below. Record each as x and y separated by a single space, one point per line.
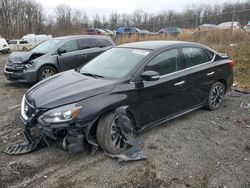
217 96
117 137
47 73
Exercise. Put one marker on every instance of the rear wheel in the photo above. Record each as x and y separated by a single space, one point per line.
109 135
216 95
45 72
24 49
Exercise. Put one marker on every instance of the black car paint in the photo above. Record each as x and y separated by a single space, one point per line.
15 69
150 102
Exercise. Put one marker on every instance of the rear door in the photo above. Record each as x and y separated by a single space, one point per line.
200 73
167 96
70 59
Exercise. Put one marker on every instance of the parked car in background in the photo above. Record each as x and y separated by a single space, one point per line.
146 32
126 31
170 31
19 45
155 81
247 27
229 25
53 56
207 26
4 47
36 39
109 32
95 31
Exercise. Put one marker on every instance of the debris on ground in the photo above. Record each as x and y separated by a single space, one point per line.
245 105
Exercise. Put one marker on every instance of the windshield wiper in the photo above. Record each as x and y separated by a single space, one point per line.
93 75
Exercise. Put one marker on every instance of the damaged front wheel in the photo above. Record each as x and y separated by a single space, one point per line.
111 136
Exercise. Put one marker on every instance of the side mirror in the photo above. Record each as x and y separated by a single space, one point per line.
150 76
61 51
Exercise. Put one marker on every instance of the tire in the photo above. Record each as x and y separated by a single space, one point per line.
216 95
104 134
24 49
45 72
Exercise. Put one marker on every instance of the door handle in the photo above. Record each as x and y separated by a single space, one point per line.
210 74
83 55
179 83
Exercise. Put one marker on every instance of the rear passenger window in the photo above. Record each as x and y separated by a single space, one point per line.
165 63
23 42
210 54
104 43
127 30
87 43
69 46
193 56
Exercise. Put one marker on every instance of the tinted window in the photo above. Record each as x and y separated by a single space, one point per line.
209 54
165 63
127 30
87 43
193 56
13 42
90 30
69 46
23 42
104 43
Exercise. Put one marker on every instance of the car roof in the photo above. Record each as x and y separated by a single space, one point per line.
64 38
154 45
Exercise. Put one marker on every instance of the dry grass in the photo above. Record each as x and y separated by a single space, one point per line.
219 40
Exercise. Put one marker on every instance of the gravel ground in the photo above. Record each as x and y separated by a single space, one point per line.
201 149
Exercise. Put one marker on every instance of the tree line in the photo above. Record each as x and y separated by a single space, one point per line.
19 17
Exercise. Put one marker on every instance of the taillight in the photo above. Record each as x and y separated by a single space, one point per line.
231 64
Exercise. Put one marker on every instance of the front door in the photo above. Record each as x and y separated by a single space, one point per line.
166 96
71 58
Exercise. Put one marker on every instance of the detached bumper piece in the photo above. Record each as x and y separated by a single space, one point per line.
31 144
19 148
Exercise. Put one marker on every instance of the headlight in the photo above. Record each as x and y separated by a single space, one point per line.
60 115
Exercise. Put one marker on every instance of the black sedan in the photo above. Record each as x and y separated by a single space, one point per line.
156 81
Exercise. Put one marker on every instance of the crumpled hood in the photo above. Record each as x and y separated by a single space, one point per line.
19 57
65 88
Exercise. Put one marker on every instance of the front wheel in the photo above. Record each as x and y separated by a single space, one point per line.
109 135
45 72
216 95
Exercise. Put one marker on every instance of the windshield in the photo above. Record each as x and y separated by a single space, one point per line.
46 46
115 63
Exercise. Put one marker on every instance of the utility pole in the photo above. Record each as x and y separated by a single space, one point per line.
234 14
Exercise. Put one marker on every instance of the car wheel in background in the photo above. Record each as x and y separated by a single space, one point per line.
216 95
45 72
24 49
109 135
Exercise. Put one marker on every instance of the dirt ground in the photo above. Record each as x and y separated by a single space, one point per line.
201 149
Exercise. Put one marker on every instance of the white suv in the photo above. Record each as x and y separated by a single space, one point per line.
4 47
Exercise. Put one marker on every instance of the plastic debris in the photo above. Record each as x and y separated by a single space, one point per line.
245 105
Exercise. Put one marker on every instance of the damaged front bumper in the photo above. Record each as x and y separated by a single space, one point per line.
70 137
20 74
74 137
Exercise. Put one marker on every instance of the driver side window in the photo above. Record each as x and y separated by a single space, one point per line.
165 62
69 46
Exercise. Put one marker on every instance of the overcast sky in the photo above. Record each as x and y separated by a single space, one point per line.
106 7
